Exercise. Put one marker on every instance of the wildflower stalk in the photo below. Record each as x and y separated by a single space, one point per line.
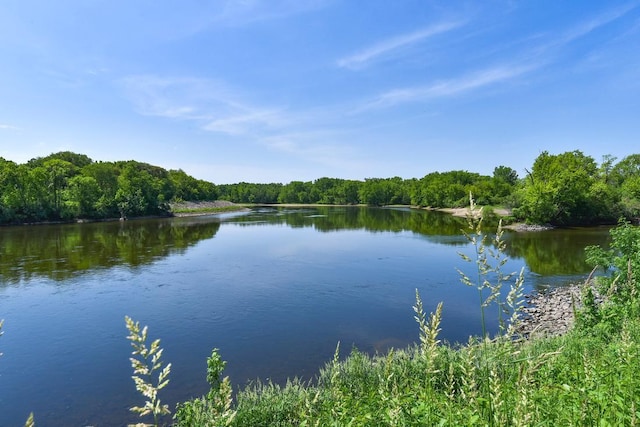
489 261
144 368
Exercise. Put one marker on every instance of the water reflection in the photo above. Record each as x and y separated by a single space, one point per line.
62 251
556 252
59 252
327 219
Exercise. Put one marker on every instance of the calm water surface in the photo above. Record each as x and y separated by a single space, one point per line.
273 289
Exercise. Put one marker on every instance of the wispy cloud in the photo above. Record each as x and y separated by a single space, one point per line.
213 105
385 47
217 108
203 16
244 122
561 39
601 20
446 88
8 127
319 146
536 57
235 12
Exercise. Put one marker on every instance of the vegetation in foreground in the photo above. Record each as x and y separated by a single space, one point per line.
586 377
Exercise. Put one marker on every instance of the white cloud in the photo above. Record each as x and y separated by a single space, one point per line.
385 47
8 127
243 12
597 22
195 17
447 88
247 123
215 106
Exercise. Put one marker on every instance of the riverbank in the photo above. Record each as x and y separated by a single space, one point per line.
551 312
199 208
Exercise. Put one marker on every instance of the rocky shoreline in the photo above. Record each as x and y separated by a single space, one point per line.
201 208
552 312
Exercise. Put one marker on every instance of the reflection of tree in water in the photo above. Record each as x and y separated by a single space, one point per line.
555 252
548 253
327 219
62 251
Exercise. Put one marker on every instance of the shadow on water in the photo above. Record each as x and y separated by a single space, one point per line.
59 252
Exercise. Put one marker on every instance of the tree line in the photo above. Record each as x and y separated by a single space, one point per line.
564 189
66 185
437 189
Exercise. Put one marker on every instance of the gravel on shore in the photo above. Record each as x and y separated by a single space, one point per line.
204 208
552 312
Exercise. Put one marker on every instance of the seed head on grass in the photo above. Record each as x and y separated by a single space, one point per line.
430 329
144 368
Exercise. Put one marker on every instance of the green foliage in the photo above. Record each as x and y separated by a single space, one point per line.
437 189
621 287
564 189
568 189
145 368
186 187
214 409
505 174
65 185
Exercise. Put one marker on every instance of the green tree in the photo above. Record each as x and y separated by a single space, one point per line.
296 192
58 172
78 160
83 195
565 189
106 176
626 178
506 175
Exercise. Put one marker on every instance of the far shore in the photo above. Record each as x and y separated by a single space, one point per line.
203 208
187 209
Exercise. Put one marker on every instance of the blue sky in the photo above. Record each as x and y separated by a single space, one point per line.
282 90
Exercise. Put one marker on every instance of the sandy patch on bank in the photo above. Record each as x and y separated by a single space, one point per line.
464 212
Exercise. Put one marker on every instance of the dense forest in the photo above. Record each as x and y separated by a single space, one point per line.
565 189
65 185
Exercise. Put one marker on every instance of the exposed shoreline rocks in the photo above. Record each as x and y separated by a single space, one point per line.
552 312
201 208
520 227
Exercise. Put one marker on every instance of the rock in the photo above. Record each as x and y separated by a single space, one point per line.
552 312
528 227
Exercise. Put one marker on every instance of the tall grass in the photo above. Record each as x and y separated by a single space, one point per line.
586 377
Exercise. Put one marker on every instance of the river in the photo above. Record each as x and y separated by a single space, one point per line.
275 289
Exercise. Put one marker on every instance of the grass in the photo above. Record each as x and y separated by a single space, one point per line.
586 377
569 380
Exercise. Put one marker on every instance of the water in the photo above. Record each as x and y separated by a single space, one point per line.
274 289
